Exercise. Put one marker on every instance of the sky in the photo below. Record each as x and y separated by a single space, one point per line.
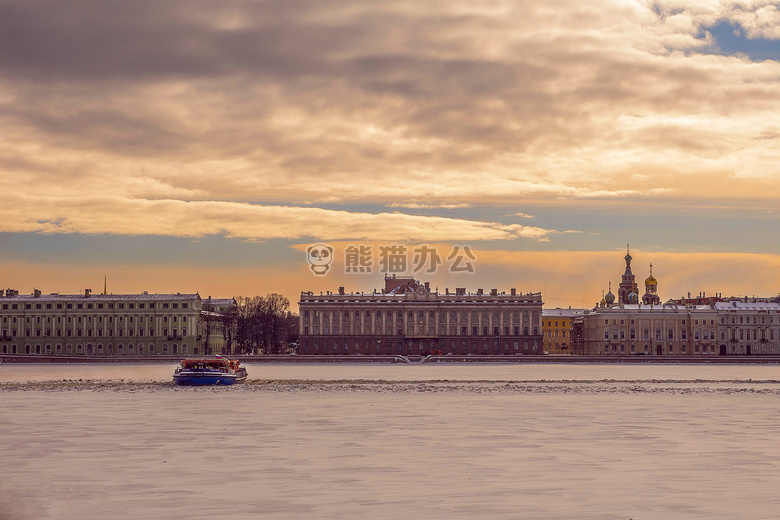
198 146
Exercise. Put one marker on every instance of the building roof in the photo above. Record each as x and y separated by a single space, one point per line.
747 306
98 297
564 313
642 308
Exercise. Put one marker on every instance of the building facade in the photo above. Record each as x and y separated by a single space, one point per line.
731 328
99 324
557 329
217 325
407 318
689 326
647 330
748 328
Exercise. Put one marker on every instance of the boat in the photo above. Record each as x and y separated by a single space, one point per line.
209 371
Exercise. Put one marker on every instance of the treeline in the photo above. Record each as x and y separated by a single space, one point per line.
255 325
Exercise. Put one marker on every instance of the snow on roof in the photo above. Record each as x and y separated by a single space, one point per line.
747 306
568 313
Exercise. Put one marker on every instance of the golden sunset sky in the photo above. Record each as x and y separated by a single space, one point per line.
202 146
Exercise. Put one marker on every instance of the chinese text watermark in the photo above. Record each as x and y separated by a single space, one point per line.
392 259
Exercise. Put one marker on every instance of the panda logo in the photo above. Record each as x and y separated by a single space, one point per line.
320 257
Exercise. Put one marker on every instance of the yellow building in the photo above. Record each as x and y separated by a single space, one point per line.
556 329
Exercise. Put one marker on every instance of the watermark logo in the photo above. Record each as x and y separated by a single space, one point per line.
358 259
392 259
319 256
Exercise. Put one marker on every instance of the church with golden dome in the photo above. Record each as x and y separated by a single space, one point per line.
651 290
628 290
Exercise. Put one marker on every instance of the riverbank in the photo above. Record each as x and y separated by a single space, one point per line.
555 359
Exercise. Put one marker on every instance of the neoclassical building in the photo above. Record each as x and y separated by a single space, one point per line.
647 330
696 326
99 324
407 318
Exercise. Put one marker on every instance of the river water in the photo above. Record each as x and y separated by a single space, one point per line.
392 441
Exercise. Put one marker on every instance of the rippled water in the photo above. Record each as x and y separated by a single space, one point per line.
392 441
405 372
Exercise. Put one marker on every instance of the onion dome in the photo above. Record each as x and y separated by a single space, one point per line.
628 255
633 297
610 298
651 279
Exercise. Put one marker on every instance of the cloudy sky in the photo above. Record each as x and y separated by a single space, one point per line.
202 146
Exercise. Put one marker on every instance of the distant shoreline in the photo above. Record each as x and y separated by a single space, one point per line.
294 359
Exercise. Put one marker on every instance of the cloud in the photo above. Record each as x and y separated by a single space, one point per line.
444 106
419 205
125 216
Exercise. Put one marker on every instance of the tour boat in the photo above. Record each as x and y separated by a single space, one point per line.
209 371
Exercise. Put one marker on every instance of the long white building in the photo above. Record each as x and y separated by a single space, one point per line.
99 324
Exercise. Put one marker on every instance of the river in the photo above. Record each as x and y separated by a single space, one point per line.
392 441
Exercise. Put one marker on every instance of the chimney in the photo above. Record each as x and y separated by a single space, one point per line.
341 291
86 292
479 292
36 293
514 291
493 292
427 287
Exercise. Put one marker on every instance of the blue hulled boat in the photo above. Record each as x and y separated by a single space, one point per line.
209 371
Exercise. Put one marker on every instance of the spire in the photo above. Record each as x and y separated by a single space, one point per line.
105 284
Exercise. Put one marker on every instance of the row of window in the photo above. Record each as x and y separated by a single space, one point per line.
395 347
697 349
705 334
88 349
59 306
734 320
683 322
420 314
99 319
419 330
660 349
89 332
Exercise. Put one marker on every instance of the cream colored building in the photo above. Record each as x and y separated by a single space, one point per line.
99 324
407 318
636 329
216 325
748 328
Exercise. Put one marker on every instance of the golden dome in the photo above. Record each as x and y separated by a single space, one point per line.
651 279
